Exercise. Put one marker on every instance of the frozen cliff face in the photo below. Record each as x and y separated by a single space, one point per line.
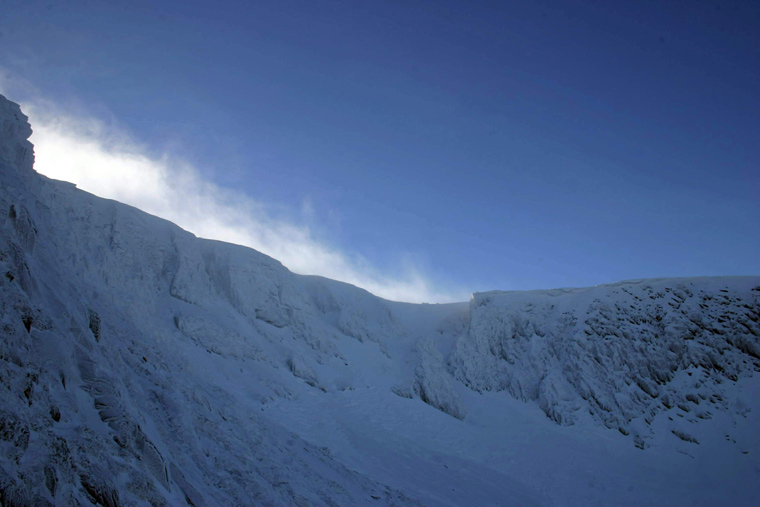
16 151
142 365
615 351
128 356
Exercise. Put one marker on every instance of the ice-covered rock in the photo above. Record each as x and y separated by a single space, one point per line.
16 152
612 351
110 321
142 365
433 384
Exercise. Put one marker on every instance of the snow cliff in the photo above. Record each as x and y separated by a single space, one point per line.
142 365
614 351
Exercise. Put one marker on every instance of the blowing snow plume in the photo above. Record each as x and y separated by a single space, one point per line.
104 160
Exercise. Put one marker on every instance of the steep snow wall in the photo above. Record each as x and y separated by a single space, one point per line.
140 364
102 309
614 351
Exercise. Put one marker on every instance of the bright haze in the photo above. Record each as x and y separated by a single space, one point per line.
421 150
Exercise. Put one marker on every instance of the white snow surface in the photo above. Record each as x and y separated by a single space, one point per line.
140 365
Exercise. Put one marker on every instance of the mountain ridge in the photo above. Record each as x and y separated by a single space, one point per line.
148 366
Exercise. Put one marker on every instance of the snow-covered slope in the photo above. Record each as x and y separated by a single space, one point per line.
140 365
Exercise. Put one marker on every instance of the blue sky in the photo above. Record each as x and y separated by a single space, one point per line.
477 145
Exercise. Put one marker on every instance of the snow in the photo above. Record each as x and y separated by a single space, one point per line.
140 365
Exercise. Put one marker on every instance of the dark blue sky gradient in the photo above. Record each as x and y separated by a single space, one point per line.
510 145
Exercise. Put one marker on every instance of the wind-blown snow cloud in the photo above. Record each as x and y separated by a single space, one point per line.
103 160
